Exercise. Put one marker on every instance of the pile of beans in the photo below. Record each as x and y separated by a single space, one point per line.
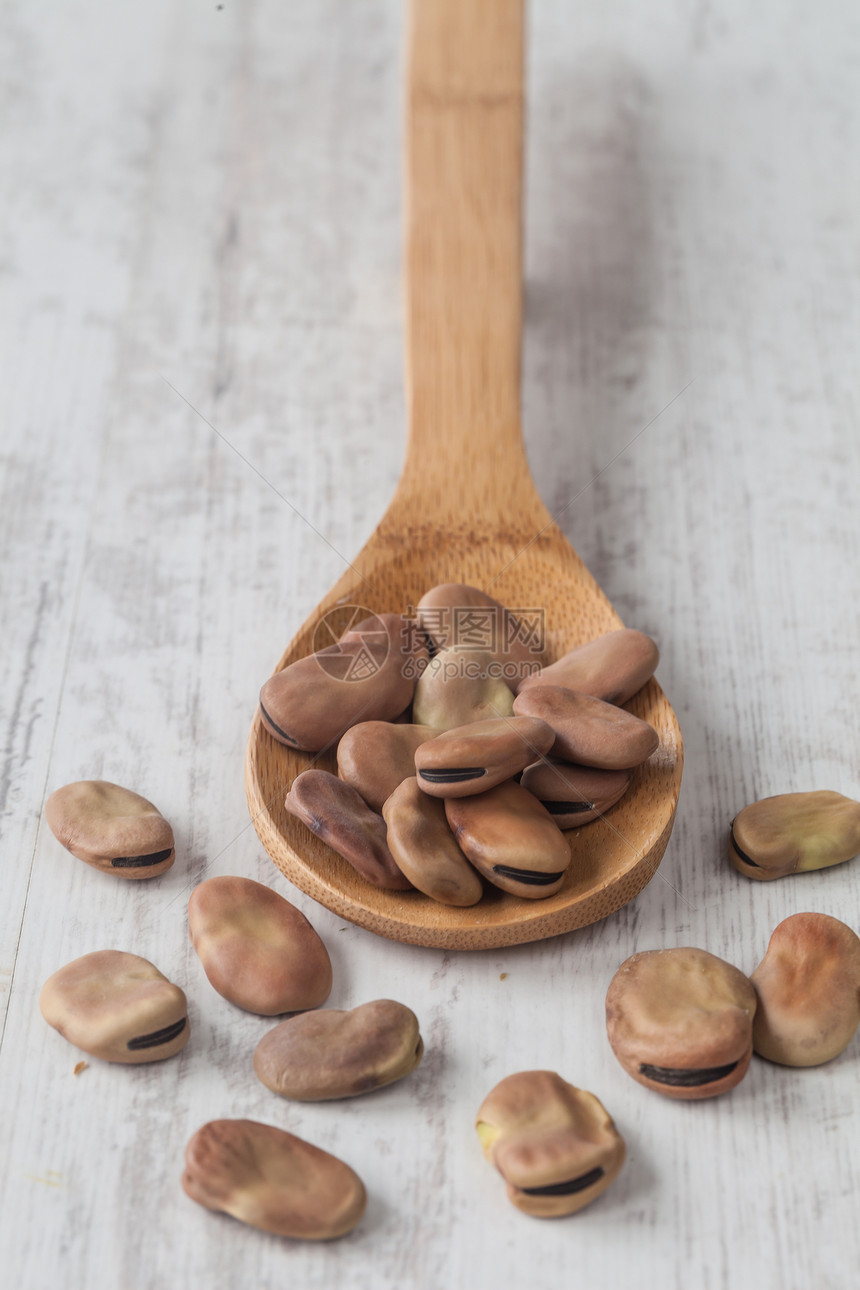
454 759
436 803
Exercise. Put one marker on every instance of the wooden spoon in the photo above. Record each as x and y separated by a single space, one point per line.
466 509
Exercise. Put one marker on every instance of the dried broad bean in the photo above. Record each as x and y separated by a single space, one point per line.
257 949
421 841
511 840
575 795
111 828
375 756
312 702
612 667
808 989
334 1054
680 1021
341 818
476 757
793 833
458 687
273 1180
116 1006
587 730
555 1145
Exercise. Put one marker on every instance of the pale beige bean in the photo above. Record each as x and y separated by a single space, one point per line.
333 1054
794 833
369 675
455 615
459 686
421 841
341 818
273 1180
808 989
555 1145
375 756
589 731
612 667
476 757
680 1022
511 840
575 795
111 828
257 949
116 1006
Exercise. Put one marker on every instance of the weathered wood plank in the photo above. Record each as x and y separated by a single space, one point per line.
210 197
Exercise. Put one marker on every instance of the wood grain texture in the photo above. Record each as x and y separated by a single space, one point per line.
214 196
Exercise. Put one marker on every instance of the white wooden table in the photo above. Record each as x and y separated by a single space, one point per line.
202 225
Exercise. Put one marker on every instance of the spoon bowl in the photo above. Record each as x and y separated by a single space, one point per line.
466 509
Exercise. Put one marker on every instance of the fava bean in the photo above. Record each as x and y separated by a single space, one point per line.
257 949
793 833
575 795
808 989
421 841
613 667
111 828
116 1006
273 1180
680 1022
476 757
333 1054
375 756
511 840
340 817
555 1145
589 731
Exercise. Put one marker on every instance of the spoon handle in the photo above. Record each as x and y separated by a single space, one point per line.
464 145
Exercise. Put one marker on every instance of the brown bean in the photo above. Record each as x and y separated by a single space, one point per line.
424 847
257 949
375 756
364 677
111 828
680 1021
335 1054
511 840
455 615
458 686
116 1006
341 818
808 989
612 667
476 757
273 1180
575 795
793 833
555 1145
589 731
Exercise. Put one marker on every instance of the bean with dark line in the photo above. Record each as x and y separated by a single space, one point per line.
794 833
554 1144
478 756
575 795
111 828
680 1021
116 1006
511 840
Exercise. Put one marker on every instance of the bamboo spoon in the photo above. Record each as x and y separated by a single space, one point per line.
466 509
